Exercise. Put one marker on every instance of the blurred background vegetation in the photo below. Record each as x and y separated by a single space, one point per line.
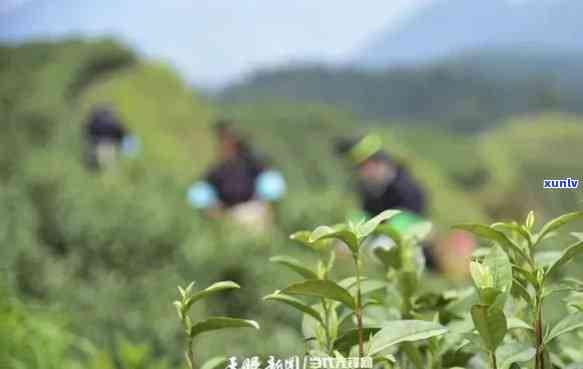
89 262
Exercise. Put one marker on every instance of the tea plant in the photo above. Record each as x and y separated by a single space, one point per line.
192 330
499 324
516 266
340 302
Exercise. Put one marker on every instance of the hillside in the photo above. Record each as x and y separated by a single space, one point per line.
458 26
466 94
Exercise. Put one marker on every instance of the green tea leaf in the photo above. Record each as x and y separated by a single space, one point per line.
481 275
217 323
566 256
215 362
515 323
214 288
556 223
490 322
568 324
500 268
295 265
398 331
303 237
295 303
513 227
322 289
494 235
339 232
529 223
350 338
511 353
371 225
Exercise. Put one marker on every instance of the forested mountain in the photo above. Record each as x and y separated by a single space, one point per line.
449 27
466 93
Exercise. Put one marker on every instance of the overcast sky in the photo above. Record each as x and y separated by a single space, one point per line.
213 41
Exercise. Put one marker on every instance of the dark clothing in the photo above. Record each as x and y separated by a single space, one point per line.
234 180
401 193
103 126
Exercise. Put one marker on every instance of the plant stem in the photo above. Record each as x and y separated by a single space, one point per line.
493 360
358 311
189 354
326 308
538 331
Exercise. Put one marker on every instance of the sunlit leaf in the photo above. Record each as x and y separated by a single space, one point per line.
215 363
214 288
339 232
217 323
322 289
371 225
398 331
493 235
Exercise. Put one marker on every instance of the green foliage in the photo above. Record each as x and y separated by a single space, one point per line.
88 257
192 330
518 267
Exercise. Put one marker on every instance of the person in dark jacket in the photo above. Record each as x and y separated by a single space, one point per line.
383 183
240 184
105 136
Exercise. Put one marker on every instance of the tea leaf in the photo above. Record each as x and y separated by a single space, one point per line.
294 265
398 331
569 323
295 303
214 363
513 227
566 256
500 268
322 289
340 232
556 223
350 338
494 235
217 323
529 223
490 322
214 288
371 225
515 323
508 354
303 237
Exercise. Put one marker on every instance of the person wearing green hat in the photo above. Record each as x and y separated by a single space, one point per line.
384 183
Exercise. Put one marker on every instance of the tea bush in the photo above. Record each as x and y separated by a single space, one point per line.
501 324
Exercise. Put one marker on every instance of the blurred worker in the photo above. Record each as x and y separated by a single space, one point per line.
240 185
383 183
106 139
